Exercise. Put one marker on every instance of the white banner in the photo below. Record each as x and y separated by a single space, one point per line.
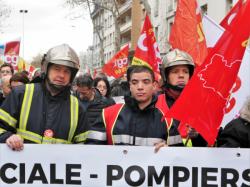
99 166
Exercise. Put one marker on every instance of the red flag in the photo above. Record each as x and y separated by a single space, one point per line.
31 69
9 52
229 17
147 51
187 33
118 65
12 48
213 80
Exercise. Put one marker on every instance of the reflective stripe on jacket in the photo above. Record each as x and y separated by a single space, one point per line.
128 125
174 136
36 111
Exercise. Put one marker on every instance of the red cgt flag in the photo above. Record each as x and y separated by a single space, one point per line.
118 65
147 51
213 80
187 33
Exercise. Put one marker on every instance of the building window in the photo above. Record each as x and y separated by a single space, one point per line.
229 5
156 33
156 10
111 20
169 28
170 6
204 9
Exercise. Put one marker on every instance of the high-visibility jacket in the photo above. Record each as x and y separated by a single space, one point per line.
30 111
174 137
126 124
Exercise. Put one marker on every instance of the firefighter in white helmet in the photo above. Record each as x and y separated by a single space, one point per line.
45 112
176 70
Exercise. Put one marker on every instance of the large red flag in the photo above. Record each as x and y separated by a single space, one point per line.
118 65
203 101
147 51
187 33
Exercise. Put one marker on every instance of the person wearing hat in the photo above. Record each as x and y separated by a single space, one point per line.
45 112
176 70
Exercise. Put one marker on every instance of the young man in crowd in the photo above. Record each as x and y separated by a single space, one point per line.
137 122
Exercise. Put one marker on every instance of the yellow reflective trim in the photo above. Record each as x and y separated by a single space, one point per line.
31 136
73 117
25 110
47 140
168 126
81 137
2 131
187 142
6 117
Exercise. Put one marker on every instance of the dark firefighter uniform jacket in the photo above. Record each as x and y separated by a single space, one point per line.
31 111
131 126
164 103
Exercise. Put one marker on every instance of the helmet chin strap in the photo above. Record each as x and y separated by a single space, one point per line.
178 88
54 89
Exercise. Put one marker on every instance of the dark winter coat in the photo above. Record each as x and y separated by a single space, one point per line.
94 108
237 132
46 112
133 126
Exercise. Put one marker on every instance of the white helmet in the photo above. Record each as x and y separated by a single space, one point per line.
62 55
174 58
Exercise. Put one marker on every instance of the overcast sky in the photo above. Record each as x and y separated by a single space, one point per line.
47 23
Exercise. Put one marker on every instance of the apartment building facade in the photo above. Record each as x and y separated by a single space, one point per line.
131 15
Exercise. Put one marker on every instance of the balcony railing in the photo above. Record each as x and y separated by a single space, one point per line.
126 26
125 7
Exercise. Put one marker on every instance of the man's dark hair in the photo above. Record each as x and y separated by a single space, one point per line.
20 77
119 87
85 80
7 65
25 72
139 69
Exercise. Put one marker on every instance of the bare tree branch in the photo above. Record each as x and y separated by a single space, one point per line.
108 5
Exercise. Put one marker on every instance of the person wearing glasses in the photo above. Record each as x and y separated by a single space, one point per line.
6 69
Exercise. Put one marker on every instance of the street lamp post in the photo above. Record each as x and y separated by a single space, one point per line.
23 11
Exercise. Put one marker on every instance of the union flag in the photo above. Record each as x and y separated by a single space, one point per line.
117 66
147 51
213 80
187 32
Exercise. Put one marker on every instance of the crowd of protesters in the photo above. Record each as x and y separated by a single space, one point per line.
57 106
